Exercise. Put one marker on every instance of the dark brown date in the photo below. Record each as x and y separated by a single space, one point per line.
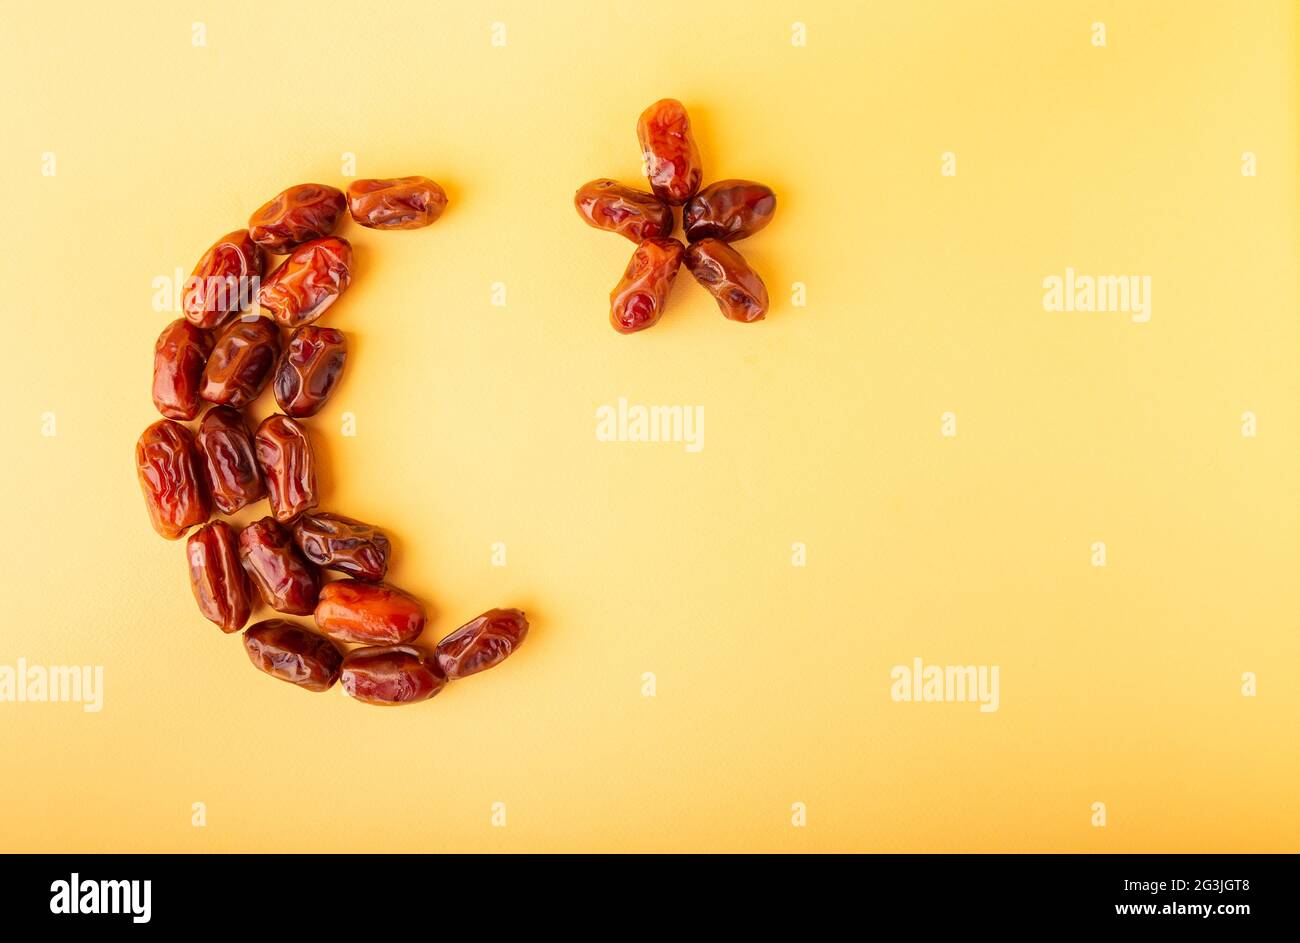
222 283
178 358
369 613
396 203
291 653
340 543
392 675
299 214
285 581
482 643
228 461
309 368
634 214
637 301
728 210
740 293
241 362
308 281
167 465
668 151
217 577
288 466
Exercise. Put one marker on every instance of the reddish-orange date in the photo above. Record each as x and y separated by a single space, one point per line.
241 362
285 581
217 577
482 643
668 151
368 613
637 301
309 368
285 651
288 466
340 543
300 214
391 675
739 292
396 203
634 214
305 284
228 460
224 280
728 210
167 465
178 358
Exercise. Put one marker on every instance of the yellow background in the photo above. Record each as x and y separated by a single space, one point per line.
476 424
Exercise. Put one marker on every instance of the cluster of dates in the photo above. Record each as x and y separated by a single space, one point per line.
219 355
712 218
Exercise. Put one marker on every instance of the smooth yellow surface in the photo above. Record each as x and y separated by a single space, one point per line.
476 424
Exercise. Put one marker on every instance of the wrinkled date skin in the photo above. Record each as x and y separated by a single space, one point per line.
309 369
221 283
241 362
285 581
369 613
668 151
217 577
288 466
637 301
392 675
167 465
228 461
285 651
178 358
340 543
728 210
299 214
724 273
482 643
396 203
634 214
308 281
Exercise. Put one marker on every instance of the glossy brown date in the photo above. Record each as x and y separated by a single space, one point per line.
222 282
728 210
288 466
482 643
178 358
391 675
228 460
340 543
217 577
241 362
285 581
396 203
309 368
739 292
668 152
634 214
308 281
285 651
369 613
637 301
300 214
166 463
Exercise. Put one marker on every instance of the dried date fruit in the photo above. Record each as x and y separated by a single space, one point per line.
291 653
285 581
728 210
391 675
369 613
308 281
178 358
217 577
396 203
167 465
228 460
482 643
740 293
634 214
288 465
637 301
224 281
668 151
309 368
340 543
300 214
241 362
